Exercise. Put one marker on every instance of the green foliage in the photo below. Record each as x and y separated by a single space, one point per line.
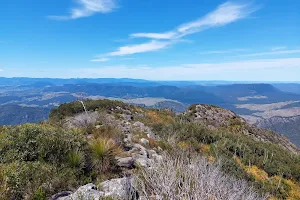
103 153
40 194
31 142
26 178
226 145
39 160
76 159
70 109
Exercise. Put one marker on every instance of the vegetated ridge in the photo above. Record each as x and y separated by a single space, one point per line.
116 150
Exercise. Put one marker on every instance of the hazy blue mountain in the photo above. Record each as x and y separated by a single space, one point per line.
15 114
289 87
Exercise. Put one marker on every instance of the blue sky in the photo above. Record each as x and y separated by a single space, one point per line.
151 39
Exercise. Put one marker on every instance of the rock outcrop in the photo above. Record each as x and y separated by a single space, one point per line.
214 117
120 188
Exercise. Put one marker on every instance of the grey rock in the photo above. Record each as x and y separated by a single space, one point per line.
142 162
86 192
139 125
127 117
138 146
60 195
125 162
150 135
98 126
144 141
119 188
141 159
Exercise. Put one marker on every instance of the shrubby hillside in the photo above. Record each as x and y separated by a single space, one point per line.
112 150
288 126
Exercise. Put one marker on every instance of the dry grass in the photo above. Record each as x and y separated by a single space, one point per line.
155 117
176 178
262 176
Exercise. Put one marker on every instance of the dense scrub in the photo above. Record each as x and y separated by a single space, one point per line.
39 160
241 155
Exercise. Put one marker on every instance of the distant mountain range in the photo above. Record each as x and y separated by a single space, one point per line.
274 106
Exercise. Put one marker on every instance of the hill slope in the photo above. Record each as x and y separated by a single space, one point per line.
288 126
104 140
15 114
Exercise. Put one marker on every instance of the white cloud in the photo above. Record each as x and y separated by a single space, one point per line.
1 70
248 64
100 60
224 51
128 59
268 53
278 48
88 8
199 71
167 35
252 70
140 48
226 13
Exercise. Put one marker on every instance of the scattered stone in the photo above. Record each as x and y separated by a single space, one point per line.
125 162
144 141
118 188
87 192
138 146
141 159
98 126
60 195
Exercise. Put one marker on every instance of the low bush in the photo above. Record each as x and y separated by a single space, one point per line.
176 177
39 160
226 145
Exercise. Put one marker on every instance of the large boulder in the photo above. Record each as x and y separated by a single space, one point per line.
86 192
125 162
119 188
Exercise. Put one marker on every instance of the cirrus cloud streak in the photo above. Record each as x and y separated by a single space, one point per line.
87 8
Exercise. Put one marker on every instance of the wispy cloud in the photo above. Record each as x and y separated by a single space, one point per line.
235 70
167 35
140 48
226 13
248 64
278 48
128 59
194 71
87 8
224 51
269 53
100 60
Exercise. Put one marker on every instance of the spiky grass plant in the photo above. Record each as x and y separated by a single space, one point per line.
103 153
76 159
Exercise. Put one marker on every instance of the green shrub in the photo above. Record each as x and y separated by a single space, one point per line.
39 160
103 153
31 142
226 145
70 109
